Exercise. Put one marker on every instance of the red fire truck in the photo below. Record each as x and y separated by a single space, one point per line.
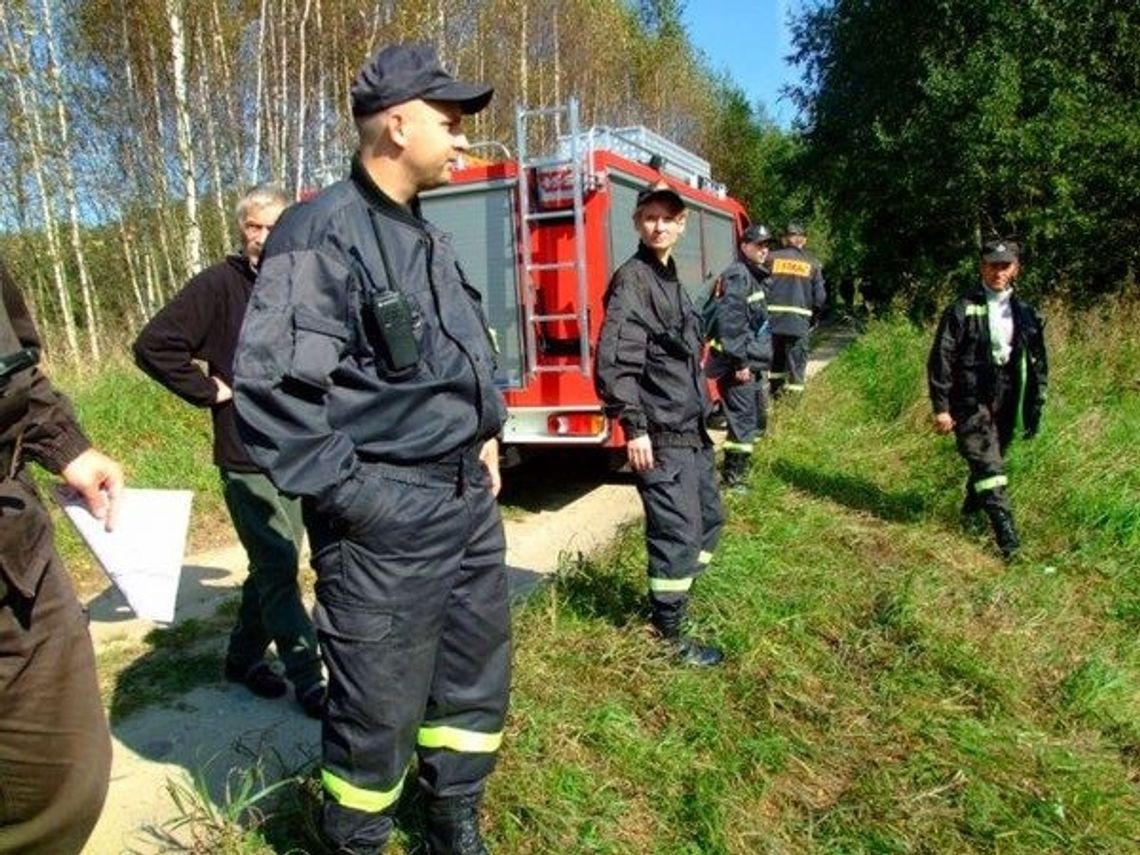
540 236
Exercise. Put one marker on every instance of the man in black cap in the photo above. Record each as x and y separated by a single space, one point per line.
988 373
364 384
794 292
649 377
740 352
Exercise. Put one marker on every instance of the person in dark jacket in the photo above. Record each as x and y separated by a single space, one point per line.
202 323
649 377
795 291
55 749
988 372
740 352
364 382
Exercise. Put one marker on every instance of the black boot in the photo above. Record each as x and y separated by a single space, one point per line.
968 515
1004 532
453 826
668 622
734 472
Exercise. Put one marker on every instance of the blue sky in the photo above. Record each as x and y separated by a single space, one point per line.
749 39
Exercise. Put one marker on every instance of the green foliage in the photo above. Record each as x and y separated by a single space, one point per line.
930 125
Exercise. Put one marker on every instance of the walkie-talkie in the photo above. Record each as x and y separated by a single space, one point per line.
396 329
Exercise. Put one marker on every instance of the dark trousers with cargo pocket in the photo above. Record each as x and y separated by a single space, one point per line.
789 363
983 433
683 520
55 750
270 529
414 625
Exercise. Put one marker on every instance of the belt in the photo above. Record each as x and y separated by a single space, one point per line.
675 439
454 469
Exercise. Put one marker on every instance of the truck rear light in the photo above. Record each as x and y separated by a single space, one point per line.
576 424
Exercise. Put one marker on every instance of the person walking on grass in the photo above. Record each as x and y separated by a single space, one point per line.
201 324
988 372
365 385
55 749
795 291
649 377
740 353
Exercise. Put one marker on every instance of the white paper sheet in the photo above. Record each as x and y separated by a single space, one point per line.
143 555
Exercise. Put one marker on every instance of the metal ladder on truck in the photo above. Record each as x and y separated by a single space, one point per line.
530 219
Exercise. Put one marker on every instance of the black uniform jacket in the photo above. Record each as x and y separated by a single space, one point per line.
648 367
314 396
202 322
743 335
796 287
961 370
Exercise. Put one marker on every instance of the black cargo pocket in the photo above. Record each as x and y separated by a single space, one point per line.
661 473
25 539
352 625
317 345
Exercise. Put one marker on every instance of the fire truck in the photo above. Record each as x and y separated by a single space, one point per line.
540 234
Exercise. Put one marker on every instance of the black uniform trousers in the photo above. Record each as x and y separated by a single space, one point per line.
55 750
745 410
414 626
683 521
789 362
983 434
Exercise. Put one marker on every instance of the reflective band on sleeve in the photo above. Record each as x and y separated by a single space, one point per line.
777 375
791 310
745 447
756 297
704 557
358 798
973 310
990 483
667 586
794 387
457 739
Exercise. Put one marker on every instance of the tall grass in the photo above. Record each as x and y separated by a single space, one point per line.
891 686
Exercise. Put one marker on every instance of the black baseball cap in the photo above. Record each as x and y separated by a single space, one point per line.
399 73
795 228
1000 251
756 233
660 192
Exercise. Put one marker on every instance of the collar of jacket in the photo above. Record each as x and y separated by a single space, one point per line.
241 264
663 271
380 200
758 271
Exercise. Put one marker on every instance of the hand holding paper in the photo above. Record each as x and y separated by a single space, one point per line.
143 555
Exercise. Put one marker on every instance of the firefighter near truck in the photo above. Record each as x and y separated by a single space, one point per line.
542 233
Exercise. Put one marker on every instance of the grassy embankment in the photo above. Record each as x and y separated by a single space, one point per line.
891 686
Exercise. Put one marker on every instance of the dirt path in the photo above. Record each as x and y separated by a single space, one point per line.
216 728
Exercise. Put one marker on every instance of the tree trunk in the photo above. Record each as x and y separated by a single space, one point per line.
258 95
175 10
67 173
204 90
299 147
21 67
